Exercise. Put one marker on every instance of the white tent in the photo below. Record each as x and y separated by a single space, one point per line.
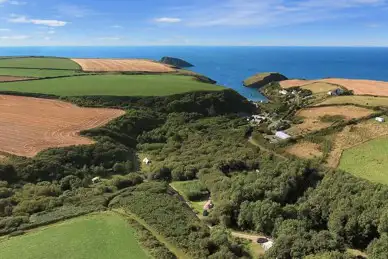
96 179
267 245
146 161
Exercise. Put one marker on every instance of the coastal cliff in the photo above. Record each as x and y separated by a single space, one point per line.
176 62
262 79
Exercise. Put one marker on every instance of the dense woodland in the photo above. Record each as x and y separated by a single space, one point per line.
309 210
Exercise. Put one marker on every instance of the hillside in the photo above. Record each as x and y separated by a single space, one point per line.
262 79
144 184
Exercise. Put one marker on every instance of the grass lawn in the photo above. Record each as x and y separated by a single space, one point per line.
368 160
115 85
186 188
28 62
319 87
357 99
256 249
37 72
99 237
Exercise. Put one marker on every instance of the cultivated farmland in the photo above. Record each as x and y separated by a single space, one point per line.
312 117
131 65
115 85
38 62
354 135
319 87
306 150
99 237
371 101
368 160
359 87
29 125
362 87
315 87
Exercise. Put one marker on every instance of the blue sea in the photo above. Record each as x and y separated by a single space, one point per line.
229 66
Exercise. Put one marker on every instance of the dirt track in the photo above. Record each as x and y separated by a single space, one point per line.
30 125
360 87
121 65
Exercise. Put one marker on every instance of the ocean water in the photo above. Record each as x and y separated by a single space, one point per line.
229 66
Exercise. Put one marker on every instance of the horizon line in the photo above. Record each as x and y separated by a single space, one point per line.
180 46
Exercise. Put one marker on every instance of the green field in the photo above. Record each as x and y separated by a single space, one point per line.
98 237
360 100
37 72
189 189
368 160
36 62
115 85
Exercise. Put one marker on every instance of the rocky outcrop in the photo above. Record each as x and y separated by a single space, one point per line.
262 79
176 62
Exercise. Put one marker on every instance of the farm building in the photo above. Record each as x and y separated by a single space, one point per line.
282 135
146 161
380 119
336 92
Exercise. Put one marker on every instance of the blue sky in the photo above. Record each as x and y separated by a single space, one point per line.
194 22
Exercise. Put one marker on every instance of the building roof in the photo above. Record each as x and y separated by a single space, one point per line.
282 135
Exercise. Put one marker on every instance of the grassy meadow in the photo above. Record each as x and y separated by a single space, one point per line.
193 192
319 87
357 99
99 237
39 62
367 160
114 85
37 72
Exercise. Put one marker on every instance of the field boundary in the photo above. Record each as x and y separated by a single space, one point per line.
356 145
43 68
173 249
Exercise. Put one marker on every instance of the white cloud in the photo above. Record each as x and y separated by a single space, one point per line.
14 37
4 29
117 26
24 19
51 32
47 38
168 20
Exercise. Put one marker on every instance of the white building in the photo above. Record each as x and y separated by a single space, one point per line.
380 119
282 135
336 92
283 92
267 245
146 161
96 180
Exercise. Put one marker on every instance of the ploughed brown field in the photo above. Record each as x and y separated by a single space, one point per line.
312 117
30 125
360 87
12 78
122 65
